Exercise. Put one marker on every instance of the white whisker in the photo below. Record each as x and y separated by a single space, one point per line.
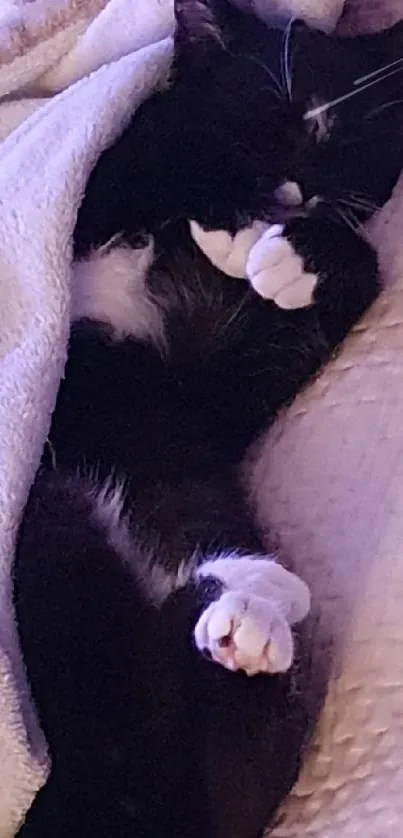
383 107
359 205
363 79
285 62
349 203
235 314
344 215
278 91
361 195
363 199
314 112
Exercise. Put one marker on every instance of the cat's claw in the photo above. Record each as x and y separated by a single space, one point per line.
276 271
249 628
228 253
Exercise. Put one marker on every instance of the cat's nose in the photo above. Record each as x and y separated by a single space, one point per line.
289 194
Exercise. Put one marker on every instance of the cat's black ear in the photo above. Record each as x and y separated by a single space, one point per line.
199 30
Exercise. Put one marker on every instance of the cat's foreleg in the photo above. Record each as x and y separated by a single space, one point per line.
314 261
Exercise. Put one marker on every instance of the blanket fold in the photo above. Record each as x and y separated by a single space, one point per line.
44 165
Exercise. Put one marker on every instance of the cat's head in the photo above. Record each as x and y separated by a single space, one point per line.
269 105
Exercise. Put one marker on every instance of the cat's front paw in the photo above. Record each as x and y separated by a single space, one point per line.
276 271
249 626
227 253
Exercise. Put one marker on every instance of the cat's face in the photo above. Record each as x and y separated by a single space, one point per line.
258 103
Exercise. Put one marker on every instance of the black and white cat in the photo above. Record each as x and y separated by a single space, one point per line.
144 592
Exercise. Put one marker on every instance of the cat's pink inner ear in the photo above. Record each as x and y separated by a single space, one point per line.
196 23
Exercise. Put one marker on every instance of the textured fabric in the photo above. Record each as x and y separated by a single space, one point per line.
330 484
35 34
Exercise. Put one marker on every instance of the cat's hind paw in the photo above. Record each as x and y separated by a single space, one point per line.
245 632
249 626
276 271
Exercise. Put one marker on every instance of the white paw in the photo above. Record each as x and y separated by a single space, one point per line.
249 626
276 272
245 632
228 253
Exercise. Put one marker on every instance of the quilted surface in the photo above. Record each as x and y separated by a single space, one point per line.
330 484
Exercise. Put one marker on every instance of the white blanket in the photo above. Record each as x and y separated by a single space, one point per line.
44 166
342 509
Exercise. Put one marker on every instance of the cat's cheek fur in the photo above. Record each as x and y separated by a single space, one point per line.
110 286
248 627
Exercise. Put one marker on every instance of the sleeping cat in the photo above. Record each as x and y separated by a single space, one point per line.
170 656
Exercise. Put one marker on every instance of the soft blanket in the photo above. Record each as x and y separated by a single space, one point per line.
44 165
330 484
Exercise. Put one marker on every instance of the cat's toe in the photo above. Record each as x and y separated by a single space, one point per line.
242 244
228 253
299 294
276 271
246 632
215 244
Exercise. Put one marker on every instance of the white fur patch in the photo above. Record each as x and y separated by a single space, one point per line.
228 253
156 582
110 287
248 627
320 120
108 500
276 272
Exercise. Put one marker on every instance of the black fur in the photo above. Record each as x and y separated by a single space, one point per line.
148 739
229 134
